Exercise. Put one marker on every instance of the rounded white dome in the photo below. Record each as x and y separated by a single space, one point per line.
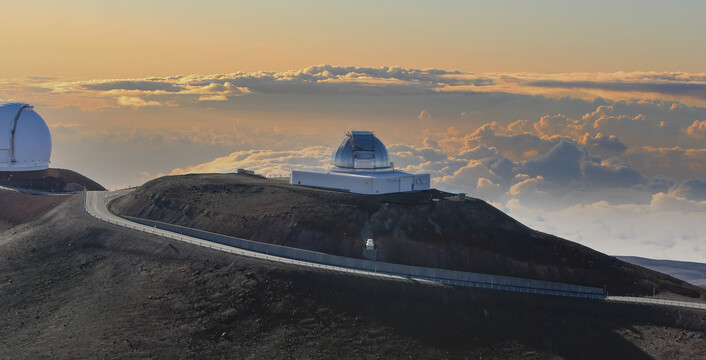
361 150
25 140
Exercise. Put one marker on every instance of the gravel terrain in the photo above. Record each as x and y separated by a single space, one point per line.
17 208
410 228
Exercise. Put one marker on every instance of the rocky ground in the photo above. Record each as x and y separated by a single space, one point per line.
74 287
428 228
17 208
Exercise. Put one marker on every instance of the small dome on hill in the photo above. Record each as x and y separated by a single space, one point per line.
25 140
361 150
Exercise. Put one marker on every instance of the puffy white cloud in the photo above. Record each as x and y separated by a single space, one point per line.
600 112
136 102
665 228
518 127
265 162
487 189
560 125
532 192
516 147
623 123
528 141
468 176
603 145
697 129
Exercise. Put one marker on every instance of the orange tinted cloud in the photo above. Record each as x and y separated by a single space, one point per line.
697 129
337 80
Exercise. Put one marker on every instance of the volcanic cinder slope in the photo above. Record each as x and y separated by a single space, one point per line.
426 228
17 208
74 287
54 180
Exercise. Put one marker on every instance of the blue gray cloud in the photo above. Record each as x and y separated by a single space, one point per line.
696 90
143 85
694 189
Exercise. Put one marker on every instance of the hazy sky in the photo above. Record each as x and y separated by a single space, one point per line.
116 39
586 119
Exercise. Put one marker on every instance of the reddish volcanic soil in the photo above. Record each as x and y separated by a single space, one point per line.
72 287
18 208
54 180
409 228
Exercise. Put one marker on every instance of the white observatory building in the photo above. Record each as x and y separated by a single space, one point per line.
25 141
362 165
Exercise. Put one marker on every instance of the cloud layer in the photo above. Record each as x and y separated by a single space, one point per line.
688 88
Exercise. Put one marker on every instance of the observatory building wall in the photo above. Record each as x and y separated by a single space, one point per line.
362 165
365 183
333 181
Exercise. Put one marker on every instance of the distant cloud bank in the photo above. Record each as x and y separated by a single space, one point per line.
688 88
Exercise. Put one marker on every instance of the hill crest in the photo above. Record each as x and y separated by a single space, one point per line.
427 228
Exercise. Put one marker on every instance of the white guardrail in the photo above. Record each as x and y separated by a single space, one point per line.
94 209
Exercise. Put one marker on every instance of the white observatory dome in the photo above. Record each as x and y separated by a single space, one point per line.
25 141
361 150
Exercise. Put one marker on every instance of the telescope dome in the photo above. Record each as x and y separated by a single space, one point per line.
25 140
361 150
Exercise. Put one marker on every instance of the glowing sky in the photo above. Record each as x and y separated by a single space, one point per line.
583 119
116 39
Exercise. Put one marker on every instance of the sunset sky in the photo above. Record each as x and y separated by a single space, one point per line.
586 119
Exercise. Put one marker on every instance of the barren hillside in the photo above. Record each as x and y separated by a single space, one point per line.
18 208
428 228
74 287
55 180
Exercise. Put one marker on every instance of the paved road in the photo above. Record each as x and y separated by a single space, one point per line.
96 201
95 204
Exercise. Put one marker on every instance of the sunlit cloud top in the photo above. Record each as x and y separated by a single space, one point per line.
179 90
